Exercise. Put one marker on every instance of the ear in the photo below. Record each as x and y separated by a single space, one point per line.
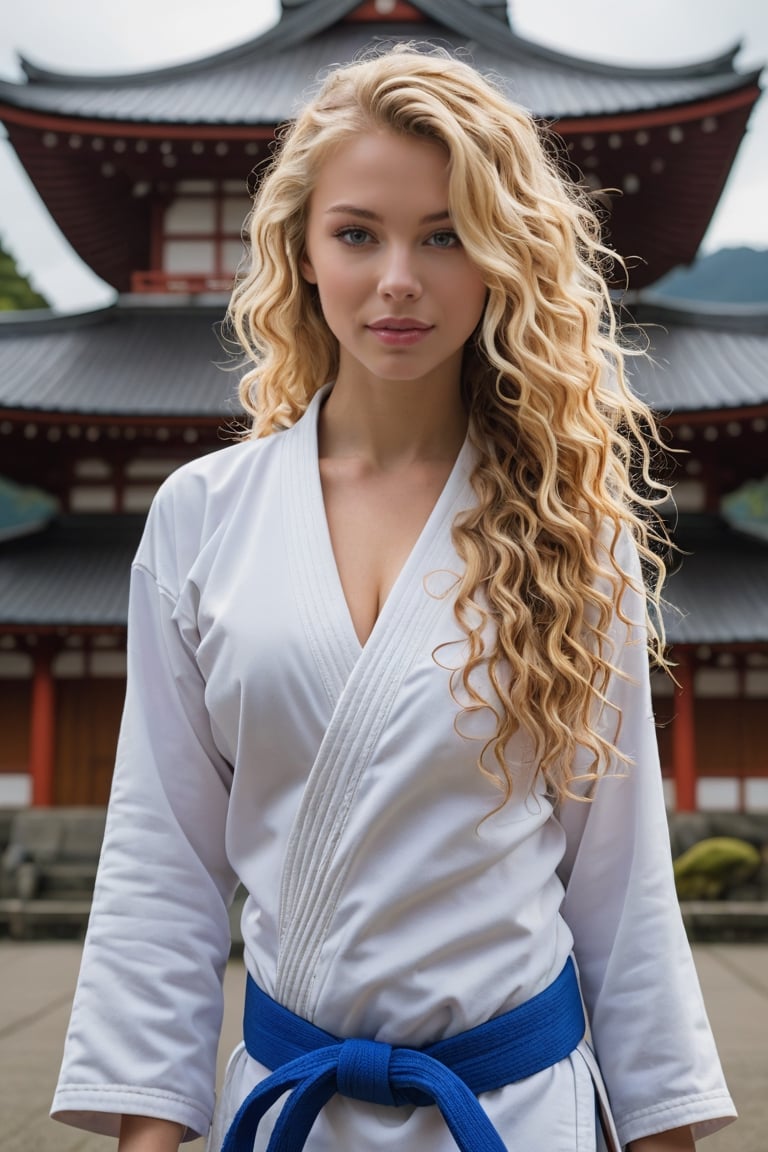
306 269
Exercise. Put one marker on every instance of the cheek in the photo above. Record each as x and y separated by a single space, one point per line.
336 304
336 287
470 300
481 299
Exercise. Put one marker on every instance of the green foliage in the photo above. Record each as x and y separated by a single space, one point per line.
16 293
707 869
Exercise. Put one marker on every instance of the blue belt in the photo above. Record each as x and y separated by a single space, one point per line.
451 1073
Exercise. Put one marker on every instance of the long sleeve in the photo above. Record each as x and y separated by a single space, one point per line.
649 1025
147 1013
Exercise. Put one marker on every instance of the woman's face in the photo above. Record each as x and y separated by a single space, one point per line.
397 289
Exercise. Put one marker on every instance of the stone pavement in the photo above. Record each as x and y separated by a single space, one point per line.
37 979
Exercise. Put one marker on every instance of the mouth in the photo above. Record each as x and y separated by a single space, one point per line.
399 324
399 331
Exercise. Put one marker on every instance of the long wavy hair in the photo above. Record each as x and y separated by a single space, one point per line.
564 448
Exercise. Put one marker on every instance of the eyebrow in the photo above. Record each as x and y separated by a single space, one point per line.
365 214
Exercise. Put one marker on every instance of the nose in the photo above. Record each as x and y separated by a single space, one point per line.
399 279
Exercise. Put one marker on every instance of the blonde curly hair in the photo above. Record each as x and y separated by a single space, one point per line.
562 443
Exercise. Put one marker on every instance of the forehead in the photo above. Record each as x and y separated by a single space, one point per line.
381 168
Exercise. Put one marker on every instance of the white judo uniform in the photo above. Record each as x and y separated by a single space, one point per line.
260 742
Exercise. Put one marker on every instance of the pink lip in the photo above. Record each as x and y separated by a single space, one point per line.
399 324
399 331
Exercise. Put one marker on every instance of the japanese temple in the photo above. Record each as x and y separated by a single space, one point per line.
147 176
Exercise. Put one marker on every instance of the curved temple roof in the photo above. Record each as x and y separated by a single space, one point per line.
101 150
717 594
155 362
161 362
702 357
75 574
257 83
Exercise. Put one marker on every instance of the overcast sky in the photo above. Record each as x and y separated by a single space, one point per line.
105 37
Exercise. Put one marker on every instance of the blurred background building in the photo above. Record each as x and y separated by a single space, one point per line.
145 176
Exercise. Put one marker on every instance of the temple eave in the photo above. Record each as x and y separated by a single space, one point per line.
50 120
690 111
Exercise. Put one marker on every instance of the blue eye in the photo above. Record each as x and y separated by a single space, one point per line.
354 237
444 239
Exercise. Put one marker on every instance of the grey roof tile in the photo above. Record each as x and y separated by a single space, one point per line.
75 573
260 83
153 362
719 594
163 361
702 358
693 369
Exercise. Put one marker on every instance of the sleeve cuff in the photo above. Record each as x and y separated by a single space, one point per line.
706 1113
98 1109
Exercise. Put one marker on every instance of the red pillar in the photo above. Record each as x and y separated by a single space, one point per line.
42 740
684 735
741 671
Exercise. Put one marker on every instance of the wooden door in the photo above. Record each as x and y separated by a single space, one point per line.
14 725
87 723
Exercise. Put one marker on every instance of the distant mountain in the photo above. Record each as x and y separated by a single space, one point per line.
729 276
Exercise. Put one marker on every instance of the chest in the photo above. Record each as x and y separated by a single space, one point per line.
374 522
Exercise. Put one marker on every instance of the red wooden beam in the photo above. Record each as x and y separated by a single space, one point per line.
59 630
716 415
368 13
673 114
141 421
84 126
659 117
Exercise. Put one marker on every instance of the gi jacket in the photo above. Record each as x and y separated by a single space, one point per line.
339 783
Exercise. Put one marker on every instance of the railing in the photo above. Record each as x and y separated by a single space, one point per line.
188 283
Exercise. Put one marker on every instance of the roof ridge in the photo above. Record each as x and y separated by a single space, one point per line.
48 320
720 316
297 25
37 321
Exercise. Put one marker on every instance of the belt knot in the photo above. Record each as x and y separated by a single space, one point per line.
312 1065
363 1071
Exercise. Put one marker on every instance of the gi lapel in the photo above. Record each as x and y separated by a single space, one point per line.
327 626
361 684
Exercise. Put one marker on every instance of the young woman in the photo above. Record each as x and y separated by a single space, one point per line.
388 668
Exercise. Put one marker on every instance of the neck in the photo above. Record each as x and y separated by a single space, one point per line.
391 423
